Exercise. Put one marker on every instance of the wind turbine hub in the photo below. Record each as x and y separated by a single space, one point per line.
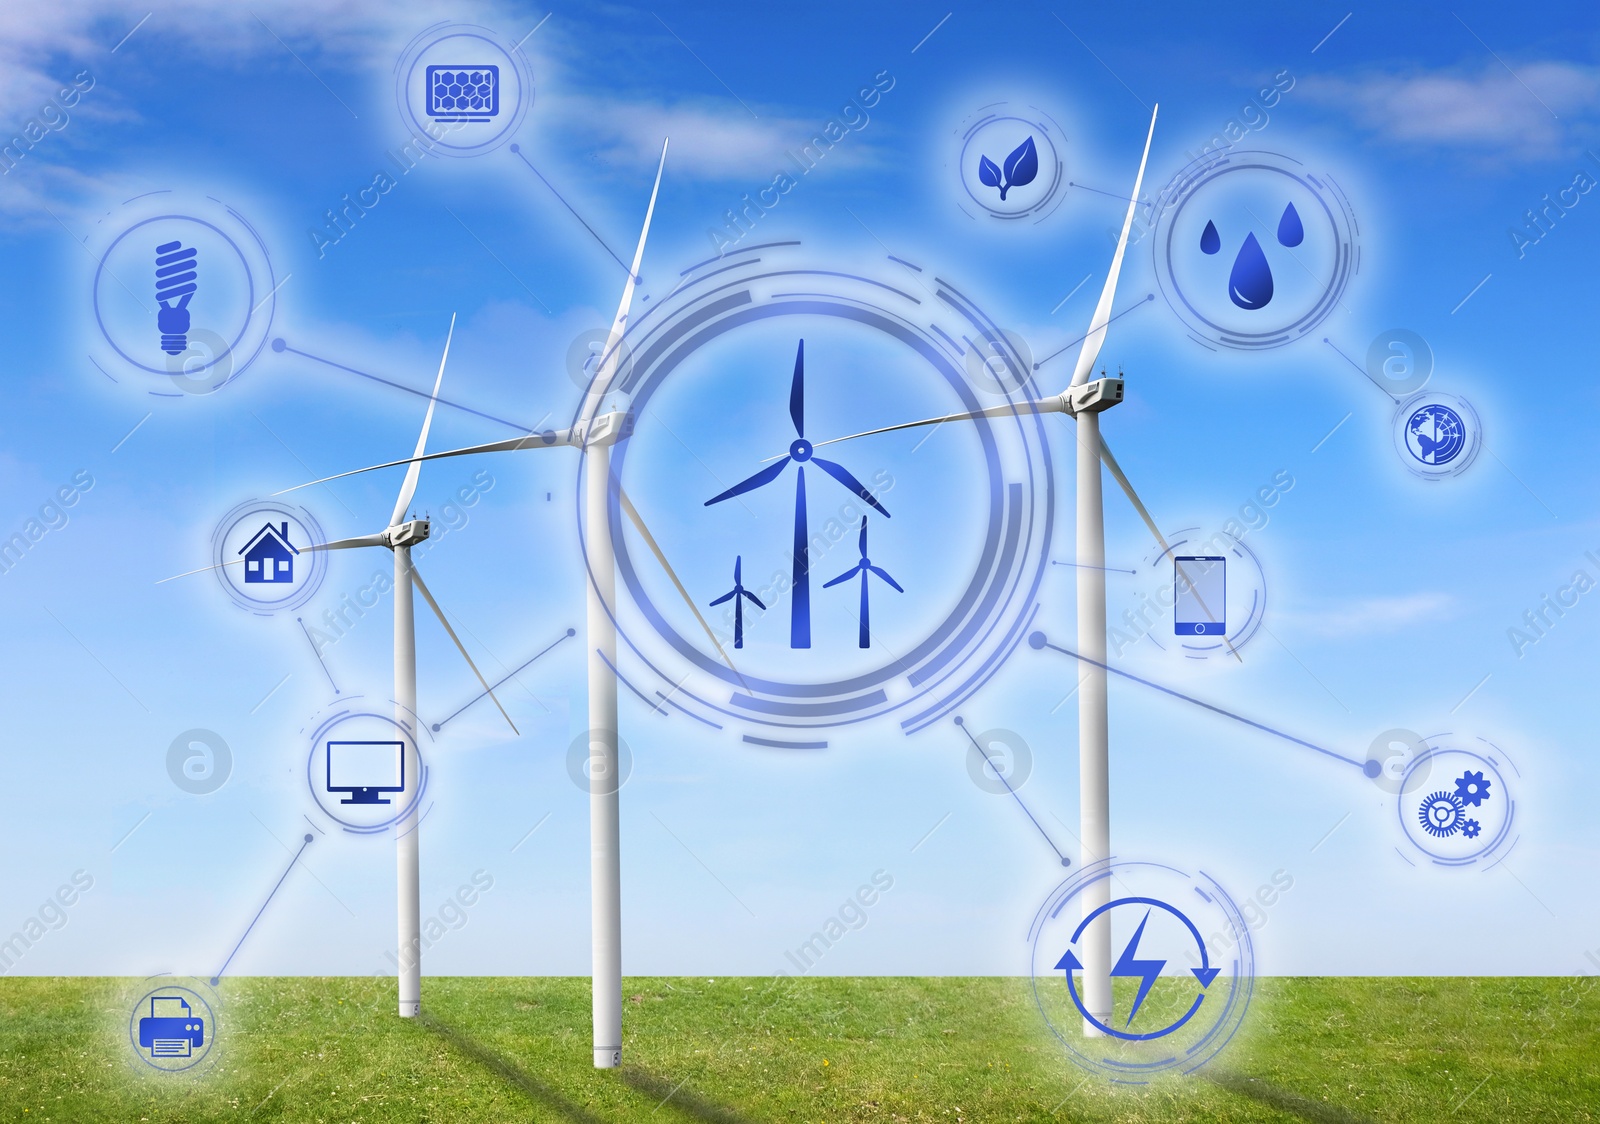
866 562
800 450
409 533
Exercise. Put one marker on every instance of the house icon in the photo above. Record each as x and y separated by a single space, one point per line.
269 556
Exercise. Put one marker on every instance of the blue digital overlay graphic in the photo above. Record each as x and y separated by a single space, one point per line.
1009 163
365 770
864 568
172 1025
175 281
1252 249
800 452
461 89
1437 435
739 595
193 338
927 665
1201 582
1456 803
463 93
258 556
1177 938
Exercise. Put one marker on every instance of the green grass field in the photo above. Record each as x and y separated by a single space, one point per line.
825 1049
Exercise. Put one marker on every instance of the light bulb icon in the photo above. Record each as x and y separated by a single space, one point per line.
175 274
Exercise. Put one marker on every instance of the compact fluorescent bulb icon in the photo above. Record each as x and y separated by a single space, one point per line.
175 274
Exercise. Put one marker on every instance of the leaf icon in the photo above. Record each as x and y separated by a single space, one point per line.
989 173
1021 166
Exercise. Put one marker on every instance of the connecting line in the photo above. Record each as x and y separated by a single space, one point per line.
315 651
1038 640
263 909
1147 298
567 635
517 150
959 722
1086 566
518 426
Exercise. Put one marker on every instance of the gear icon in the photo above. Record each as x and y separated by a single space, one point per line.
1472 788
1441 814
1470 828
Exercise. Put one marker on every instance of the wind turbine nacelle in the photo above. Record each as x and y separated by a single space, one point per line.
606 429
1093 397
409 533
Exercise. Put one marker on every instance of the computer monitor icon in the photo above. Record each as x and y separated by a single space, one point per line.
366 770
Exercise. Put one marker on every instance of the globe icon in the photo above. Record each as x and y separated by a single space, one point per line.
1435 434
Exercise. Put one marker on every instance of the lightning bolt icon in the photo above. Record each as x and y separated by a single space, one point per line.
1145 970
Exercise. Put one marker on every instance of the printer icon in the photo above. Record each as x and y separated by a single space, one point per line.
172 1029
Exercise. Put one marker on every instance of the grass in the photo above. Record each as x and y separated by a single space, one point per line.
826 1049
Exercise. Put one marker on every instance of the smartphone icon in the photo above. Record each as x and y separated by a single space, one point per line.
1201 582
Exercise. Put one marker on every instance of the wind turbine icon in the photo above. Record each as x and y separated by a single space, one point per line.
800 451
738 594
864 567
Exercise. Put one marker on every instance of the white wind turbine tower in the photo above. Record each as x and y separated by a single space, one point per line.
1085 400
594 432
400 536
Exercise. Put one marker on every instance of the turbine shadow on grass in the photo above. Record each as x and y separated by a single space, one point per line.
510 1073
668 1095
1283 1100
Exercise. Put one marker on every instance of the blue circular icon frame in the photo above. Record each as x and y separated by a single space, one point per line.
1335 210
968 646
405 68
346 710
1141 1070
245 348
1051 162
1462 410
1492 847
208 1025
318 561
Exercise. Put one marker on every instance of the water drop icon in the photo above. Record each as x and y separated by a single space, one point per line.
1290 230
1250 283
1210 240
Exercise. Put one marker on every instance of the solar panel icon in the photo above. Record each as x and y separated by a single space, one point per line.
463 93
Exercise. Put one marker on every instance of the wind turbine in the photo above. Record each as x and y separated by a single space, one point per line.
1084 400
737 595
399 537
800 451
864 567
594 432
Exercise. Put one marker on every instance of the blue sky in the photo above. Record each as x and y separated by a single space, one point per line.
1389 598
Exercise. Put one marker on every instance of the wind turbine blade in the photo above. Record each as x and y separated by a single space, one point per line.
1045 406
611 357
750 483
650 540
745 593
850 573
416 579
862 541
729 596
201 570
1102 312
1161 541
346 544
531 441
797 392
838 472
738 565
340 544
408 487
884 574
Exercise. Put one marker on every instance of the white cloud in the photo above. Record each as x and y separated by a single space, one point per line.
1527 114
1367 616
